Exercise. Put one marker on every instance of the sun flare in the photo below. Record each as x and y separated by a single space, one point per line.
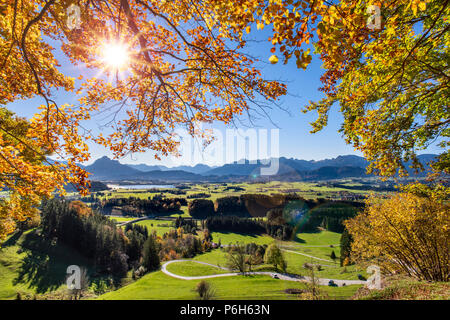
115 55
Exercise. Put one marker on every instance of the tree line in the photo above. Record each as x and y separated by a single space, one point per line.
136 207
112 250
284 214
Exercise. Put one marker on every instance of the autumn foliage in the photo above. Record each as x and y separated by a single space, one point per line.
181 72
81 208
187 66
404 233
388 75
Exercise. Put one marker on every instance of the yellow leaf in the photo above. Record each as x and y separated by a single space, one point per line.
273 59
422 6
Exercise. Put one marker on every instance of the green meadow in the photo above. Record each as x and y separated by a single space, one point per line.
31 266
192 269
159 286
308 190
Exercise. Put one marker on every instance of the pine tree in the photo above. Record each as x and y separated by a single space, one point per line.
150 255
333 255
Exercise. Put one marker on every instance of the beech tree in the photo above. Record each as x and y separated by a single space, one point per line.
404 233
386 66
161 65
177 69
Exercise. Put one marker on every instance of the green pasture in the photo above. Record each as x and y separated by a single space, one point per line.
159 286
30 265
192 269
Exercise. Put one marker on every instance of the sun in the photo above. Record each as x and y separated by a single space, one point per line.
115 55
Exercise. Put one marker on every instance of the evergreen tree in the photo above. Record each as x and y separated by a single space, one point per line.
333 255
150 255
119 266
346 242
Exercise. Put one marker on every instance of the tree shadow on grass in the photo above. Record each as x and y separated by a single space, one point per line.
41 269
297 239
300 240
252 235
12 240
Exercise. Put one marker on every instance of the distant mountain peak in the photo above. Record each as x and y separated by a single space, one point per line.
105 168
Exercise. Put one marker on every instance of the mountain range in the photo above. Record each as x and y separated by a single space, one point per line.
105 169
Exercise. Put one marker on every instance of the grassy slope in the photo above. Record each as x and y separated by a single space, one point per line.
192 269
295 265
31 266
157 285
160 286
157 225
407 289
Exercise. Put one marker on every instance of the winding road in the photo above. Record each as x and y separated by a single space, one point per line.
282 276
300 253
309 256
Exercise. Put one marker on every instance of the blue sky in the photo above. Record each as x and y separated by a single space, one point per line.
295 139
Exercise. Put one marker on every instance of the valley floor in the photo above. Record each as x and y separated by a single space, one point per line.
31 266
158 285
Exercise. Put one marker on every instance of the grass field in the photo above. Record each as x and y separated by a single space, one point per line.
227 238
160 226
157 286
308 190
192 269
32 266
122 219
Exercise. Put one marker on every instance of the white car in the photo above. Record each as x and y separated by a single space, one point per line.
275 276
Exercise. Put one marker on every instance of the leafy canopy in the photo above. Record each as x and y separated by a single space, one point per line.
181 71
186 67
404 233
390 80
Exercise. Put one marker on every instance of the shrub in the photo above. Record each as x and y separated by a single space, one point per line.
205 290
